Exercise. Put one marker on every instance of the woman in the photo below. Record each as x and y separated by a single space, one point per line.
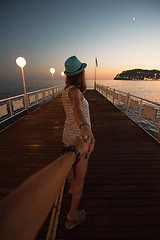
77 123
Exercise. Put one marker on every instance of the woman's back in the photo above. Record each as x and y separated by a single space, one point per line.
71 129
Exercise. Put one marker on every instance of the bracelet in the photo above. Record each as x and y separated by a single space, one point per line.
72 149
83 123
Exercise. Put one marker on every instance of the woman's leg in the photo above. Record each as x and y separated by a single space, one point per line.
81 169
70 178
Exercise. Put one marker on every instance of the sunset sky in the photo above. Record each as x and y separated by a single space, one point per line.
47 32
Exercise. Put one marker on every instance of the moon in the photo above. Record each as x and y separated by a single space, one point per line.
134 19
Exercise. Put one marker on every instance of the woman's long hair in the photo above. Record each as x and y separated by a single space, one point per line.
77 80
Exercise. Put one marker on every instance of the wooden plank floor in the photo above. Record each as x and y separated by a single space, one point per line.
122 187
30 144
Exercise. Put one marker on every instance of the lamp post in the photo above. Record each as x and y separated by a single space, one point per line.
52 70
21 62
96 65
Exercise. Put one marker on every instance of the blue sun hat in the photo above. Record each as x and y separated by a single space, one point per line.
74 66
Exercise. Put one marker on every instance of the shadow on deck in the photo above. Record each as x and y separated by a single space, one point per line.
122 188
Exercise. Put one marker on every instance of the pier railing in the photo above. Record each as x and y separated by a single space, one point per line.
144 112
13 106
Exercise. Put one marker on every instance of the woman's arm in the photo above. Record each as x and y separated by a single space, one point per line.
76 98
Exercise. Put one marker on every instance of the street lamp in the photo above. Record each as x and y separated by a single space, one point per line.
96 65
62 74
21 62
52 70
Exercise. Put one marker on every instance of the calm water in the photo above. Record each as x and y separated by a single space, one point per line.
146 89
149 90
11 88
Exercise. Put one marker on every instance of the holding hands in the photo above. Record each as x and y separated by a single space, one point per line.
86 134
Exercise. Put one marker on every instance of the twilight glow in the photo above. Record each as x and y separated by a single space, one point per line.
122 34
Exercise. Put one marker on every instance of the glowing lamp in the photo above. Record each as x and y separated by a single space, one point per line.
62 73
52 70
21 62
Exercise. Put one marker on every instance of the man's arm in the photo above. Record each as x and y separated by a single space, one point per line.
23 212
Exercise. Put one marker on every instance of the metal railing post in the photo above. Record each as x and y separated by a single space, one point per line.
53 91
119 98
106 92
127 103
10 107
140 109
113 94
44 96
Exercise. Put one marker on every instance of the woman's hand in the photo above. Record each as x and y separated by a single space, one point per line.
91 146
86 133
81 145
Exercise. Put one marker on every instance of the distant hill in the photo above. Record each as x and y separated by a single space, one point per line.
138 74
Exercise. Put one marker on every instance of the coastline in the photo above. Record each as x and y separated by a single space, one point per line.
147 89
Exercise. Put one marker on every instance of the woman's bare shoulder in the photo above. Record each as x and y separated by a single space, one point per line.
74 90
74 93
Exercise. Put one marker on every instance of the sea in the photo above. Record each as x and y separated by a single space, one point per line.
149 90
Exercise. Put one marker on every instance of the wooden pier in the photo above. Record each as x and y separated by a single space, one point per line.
122 188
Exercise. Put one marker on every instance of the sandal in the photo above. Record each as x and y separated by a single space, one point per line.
69 224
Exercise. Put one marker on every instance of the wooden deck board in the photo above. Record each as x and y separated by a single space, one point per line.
121 194
122 187
30 144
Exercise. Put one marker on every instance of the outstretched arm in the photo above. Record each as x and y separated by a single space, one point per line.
23 211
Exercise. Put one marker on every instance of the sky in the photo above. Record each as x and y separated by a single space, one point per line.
47 32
